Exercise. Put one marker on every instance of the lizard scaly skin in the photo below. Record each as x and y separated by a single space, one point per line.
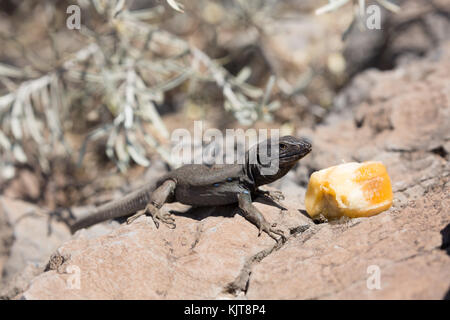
199 185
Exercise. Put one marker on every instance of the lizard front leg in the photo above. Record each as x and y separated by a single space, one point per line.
157 199
252 214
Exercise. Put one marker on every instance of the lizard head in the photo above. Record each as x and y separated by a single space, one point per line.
266 169
292 149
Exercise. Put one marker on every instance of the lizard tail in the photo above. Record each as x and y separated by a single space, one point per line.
92 218
126 206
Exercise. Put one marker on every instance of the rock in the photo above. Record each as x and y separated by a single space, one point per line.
403 122
406 36
32 244
332 261
197 260
6 240
20 281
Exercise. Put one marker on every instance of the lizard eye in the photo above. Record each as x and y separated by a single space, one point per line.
283 146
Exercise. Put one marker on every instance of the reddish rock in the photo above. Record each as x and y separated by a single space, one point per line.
403 121
35 236
331 261
197 260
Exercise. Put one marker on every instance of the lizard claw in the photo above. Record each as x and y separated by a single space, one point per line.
271 232
275 195
156 215
164 217
168 220
136 215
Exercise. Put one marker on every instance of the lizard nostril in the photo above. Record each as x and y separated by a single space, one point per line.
306 142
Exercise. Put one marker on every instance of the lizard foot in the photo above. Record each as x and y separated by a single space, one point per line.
156 215
135 216
272 232
164 217
273 195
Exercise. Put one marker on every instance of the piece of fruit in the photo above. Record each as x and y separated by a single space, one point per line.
350 189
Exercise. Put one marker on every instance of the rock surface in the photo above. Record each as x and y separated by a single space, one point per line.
418 28
200 259
401 118
6 239
32 237
338 261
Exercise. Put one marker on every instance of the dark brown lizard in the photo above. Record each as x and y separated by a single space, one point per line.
200 185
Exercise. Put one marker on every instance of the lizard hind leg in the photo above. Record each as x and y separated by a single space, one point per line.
162 194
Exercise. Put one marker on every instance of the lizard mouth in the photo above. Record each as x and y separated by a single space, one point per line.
294 151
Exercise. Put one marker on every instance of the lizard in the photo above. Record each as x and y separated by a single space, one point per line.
200 185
